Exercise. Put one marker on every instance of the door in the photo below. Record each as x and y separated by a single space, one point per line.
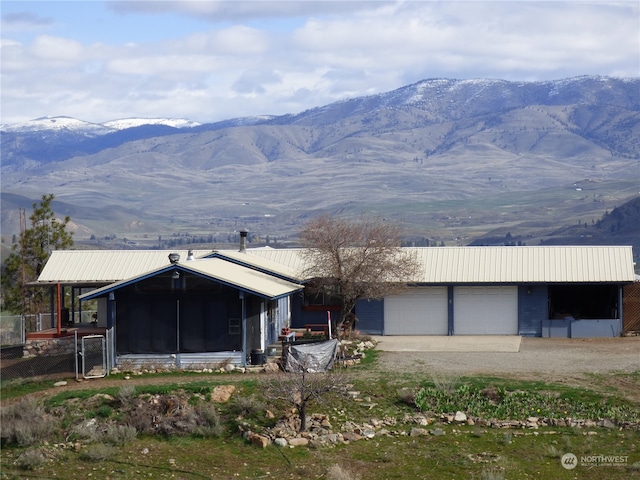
419 311
485 310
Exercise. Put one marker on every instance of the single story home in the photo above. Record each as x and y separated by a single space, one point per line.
198 307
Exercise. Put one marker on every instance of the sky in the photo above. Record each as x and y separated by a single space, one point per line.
214 60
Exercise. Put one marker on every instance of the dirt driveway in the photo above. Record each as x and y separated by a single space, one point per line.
546 357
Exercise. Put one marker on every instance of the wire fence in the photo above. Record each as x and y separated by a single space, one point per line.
48 358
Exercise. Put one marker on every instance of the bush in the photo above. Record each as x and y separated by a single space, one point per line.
31 459
98 451
26 423
119 434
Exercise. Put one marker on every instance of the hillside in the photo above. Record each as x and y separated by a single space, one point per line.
451 159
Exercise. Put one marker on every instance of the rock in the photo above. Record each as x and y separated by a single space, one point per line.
368 433
417 432
436 432
298 442
229 367
222 393
532 419
351 436
61 383
259 440
470 422
281 442
606 423
460 417
270 367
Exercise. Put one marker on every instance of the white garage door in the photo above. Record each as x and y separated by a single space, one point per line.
419 311
485 310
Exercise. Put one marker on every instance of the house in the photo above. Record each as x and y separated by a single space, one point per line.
190 308
199 307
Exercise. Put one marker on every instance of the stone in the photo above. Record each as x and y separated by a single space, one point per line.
351 436
460 417
471 422
222 393
259 440
61 383
281 442
532 419
417 432
436 432
229 367
298 442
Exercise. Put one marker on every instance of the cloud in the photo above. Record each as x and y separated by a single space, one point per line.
24 20
257 62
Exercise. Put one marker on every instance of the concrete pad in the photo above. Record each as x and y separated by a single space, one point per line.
458 343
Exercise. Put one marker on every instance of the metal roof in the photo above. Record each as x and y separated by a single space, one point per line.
258 262
502 264
99 267
219 270
439 265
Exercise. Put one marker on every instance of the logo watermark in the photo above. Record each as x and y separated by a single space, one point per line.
570 461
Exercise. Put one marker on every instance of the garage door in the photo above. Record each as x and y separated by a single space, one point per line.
420 311
485 310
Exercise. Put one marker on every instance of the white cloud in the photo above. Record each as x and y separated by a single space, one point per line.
285 57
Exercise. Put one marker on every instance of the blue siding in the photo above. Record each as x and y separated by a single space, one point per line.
370 316
532 309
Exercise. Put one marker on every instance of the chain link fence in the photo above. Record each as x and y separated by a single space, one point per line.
48 358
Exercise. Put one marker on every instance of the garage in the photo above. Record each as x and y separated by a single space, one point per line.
420 311
485 310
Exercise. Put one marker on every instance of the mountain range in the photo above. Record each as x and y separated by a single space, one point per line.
455 161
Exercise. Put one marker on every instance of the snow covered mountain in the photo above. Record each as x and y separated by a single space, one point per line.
73 125
439 153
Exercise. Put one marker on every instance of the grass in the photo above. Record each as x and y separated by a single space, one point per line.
199 439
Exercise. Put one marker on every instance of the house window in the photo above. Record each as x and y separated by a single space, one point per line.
322 295
234 326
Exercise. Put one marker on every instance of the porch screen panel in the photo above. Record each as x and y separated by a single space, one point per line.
217 336
138 318
163 330
192 328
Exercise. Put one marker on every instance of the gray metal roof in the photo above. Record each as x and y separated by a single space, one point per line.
216 269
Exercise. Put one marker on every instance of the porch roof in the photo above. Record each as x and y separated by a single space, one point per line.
217 270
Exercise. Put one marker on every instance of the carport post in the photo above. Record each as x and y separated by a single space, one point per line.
244 330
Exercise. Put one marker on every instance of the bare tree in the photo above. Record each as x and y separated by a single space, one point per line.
360 259
303 386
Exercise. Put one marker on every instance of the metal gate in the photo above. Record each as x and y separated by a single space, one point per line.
92 358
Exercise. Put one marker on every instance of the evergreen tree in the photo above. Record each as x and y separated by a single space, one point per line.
29 256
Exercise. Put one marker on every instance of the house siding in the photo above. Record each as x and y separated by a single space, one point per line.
370 316
532 309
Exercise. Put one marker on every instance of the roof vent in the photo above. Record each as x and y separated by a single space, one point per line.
190 256
174 257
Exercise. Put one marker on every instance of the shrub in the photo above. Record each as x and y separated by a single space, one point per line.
98 451
26 423
119 434
126 394
31 459
336 472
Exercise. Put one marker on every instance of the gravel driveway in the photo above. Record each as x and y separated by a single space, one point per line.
544 357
